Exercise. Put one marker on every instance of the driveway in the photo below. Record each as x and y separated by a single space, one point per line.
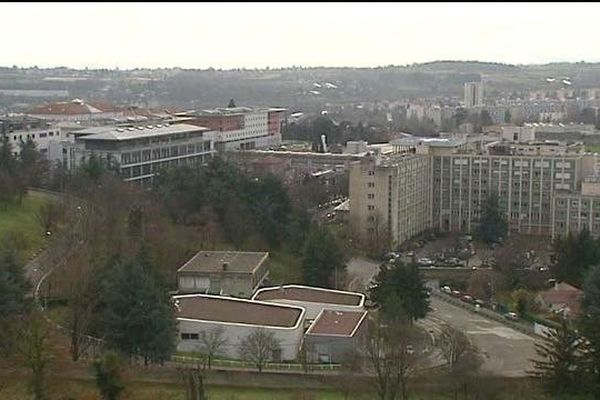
506 352
360 272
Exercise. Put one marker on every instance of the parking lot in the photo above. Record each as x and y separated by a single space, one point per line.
506 352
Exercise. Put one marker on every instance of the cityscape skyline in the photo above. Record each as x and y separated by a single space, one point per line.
278 35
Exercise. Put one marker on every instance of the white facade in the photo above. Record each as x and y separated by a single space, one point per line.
41 138
289 338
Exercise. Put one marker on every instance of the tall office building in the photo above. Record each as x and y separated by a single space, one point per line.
473 94
441 184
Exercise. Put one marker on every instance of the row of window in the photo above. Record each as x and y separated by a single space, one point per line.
164 152
32 136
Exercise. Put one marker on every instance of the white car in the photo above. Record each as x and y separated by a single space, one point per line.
425 261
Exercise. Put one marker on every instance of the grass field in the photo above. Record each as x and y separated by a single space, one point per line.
594 148
21 222
285 268
86 389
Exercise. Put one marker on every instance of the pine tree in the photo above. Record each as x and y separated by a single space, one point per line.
139 319
559 364
492 225
13 284
322 258
400 292
231 104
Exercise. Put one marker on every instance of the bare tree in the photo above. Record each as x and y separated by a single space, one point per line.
304 355
259 347
212 343
193 383
462 357
391 356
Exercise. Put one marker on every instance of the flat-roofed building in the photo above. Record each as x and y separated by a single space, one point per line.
313 299
237 318
139 152
241 128
236 273
335 336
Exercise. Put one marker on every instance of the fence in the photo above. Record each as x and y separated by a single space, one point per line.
246 365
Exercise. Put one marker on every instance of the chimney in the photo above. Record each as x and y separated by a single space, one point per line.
225 266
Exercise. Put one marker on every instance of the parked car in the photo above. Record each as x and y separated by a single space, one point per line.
425 262
455 293
446 289
467 299
512 316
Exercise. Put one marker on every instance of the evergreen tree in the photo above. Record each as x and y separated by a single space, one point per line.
590 327
492 225
573 256
109 376
13 284
400 292
507 117
138 317
322 258
231 104
559 364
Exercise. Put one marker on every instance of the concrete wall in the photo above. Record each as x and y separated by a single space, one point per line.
288 338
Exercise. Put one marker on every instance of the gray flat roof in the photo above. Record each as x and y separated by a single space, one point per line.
122 133
212 261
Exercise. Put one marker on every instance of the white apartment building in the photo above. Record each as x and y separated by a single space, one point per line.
442 184
19 129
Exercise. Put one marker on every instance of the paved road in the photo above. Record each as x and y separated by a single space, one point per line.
506 351
360 271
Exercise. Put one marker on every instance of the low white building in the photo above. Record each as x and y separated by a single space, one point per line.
237 318
313 299
18 129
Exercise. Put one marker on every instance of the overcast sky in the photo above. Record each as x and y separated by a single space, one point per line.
236 35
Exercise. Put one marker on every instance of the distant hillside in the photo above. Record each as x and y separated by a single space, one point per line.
300 88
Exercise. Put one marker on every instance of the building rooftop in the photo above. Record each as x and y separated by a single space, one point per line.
141 131
214 261
219 111
310 294
237 311
337 323
74 107
418 141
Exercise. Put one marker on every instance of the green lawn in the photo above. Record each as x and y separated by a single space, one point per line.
21 222
594 148
285 268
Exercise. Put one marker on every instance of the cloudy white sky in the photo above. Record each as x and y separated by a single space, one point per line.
232 35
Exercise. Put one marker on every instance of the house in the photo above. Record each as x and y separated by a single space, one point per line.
236 319
234 273
335 336
562 298
313 299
